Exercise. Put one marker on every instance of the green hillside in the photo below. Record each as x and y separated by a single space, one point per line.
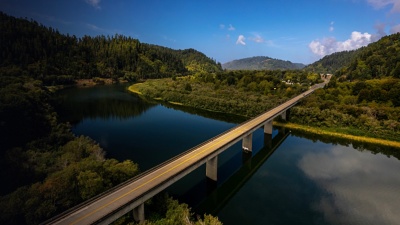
377 60
29 48
333 62
261 63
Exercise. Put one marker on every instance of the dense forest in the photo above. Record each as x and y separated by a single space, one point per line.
261 63
333 62
378 60
45 168
34 50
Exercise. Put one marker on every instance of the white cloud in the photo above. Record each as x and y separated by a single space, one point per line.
94 3
241 40
383 3
94 27
257 38
330 45
100 29
331 28
380 30
230 27
362 187
395 29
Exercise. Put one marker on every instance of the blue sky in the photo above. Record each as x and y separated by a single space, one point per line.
300 31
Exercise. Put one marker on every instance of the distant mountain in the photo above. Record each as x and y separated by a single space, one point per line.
261 63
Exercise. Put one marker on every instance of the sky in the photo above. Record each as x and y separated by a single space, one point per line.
301 31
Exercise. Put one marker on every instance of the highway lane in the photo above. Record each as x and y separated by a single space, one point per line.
112 201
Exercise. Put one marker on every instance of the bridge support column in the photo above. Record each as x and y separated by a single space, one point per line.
138 213
268 127
211 168
285 115
247 143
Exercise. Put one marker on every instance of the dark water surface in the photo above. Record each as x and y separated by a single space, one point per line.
298 179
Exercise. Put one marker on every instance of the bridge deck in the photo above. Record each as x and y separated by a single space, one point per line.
108 203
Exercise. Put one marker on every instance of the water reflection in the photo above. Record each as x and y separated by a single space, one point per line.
105 102
360 146
361 188
217 199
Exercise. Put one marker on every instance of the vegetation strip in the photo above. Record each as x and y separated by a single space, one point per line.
321 131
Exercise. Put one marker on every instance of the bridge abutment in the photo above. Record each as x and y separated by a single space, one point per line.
212 168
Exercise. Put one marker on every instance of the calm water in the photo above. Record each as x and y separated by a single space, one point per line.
298 179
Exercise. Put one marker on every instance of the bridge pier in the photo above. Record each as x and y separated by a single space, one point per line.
268 127
138 213
247 143
285 114
212 168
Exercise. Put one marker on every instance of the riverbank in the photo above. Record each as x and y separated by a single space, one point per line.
322 131
139 89
134 89
83 83
93 82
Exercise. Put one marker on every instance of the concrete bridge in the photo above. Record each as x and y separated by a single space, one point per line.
131 195
218 198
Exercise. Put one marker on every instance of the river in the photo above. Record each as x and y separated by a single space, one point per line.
306 179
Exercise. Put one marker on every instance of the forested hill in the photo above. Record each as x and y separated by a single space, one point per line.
261 63
43 53
377 60
333 62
